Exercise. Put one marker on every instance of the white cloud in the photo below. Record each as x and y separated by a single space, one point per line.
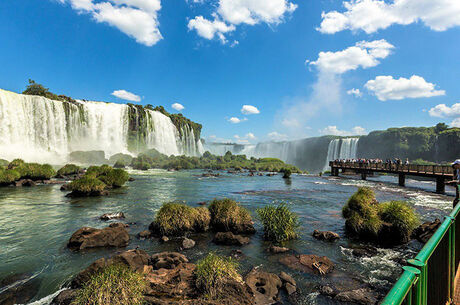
209 29
248 109
455 123
444 111
364 54
177 106
373 15
388 88
274 135
333 130
136 18
236 120
234 12
250 136
245 139
126 95
355 92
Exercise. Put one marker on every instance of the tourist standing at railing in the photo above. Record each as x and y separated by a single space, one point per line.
456 181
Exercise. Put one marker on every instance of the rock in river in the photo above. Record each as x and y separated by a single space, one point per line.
115 235
230 239
308 263
424 232
109 216
265 286
325 235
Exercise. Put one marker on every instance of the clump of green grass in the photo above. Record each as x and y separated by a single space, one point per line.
228 215
213 272
280 223
87 185
115 285
400 215
68 169
175 219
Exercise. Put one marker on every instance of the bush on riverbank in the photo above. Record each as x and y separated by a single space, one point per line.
175 219
115 285
388 223
213 272
87 185
228 215
280 223
8 176
68 169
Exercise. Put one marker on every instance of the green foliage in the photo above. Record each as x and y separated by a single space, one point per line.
115 177
37 89
287 173
420 161
68 169
16 163
400 215
87 185
213 272
227 215
280 223
4 163
32 171
115 285
121 158
175 219
119 164
8 176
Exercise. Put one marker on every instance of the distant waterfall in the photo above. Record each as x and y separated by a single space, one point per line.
341 149
42 130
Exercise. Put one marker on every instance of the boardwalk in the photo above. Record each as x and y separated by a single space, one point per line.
439 172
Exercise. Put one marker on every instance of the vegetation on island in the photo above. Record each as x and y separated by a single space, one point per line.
18 169
68 169
389 223
228 215
213 272
116 284
175 219
97 180
153 159
280 223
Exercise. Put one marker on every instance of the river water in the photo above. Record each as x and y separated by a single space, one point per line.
36 223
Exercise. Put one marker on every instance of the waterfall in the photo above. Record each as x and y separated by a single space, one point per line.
341 149
38 129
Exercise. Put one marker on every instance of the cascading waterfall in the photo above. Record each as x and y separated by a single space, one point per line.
38 129
341 149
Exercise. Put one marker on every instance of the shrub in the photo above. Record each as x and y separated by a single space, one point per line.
119 164
124 158
4 163
176 219
213 272
68 169
8 176
87 185
228 215
287 173
280 223
400 215
35 171
16 163
115 285
115 177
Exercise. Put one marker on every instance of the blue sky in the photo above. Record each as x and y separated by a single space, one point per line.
300 63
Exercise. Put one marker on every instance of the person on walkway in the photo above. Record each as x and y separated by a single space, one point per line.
456 181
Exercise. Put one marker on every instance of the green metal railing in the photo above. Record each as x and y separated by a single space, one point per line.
429 280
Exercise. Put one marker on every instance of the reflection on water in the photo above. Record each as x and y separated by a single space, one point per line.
36 223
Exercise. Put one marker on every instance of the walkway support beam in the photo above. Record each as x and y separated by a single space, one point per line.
440 185
402 180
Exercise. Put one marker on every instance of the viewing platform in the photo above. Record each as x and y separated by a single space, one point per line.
439 172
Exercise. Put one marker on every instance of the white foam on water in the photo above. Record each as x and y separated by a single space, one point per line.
48 299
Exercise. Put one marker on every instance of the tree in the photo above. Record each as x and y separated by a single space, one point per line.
440 127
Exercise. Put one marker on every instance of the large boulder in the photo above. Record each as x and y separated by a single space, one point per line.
115 235
18 289
308 263
230 239
325 235
265 286
424 232
167 260
66 297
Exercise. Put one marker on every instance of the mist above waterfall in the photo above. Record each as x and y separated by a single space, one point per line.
38 129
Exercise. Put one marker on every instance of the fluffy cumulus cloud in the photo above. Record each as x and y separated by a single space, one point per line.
444 111
363 54
333 130
230 13
126 95
276 136
389 88
136 18
177 106
235 120
373 15
355 92
245 139
248 109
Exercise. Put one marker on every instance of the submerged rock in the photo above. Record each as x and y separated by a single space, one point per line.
188 243
276 249
308 263
25 182
109 216
230 239
325 235
145 234
265 286
18 289
365 251
289 283
115 235
424 232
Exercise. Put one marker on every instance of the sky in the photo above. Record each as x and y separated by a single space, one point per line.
248 70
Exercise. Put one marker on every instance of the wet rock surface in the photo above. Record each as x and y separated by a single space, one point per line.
109 216
326 235
424 232
188 243
277 250
115 235
230 239
308 263
265 286
17 289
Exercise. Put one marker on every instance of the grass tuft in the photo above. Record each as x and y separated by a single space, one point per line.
280 223
175 219
228 215
68 169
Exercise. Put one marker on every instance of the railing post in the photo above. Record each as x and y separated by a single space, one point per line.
423 289
452 256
